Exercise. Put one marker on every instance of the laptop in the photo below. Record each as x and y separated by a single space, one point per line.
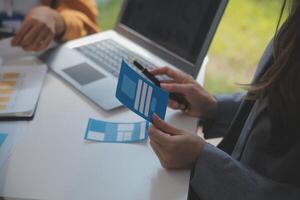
171 33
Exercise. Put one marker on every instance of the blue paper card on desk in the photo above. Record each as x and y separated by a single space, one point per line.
2 138
140 95
101 131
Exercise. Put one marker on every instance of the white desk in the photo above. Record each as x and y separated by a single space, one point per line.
54 162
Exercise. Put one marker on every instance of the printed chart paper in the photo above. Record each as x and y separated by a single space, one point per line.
109 132
140 95
21 82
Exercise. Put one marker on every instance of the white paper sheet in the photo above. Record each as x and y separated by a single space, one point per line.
8 52
28 86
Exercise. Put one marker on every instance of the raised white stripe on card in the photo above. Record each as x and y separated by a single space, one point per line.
120 136
148 101
143 130
125 127
127 136
96 136
143 98
138 95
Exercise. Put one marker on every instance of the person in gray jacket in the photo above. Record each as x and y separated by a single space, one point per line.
259 157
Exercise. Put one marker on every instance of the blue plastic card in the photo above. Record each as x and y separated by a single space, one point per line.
140 95
101 131
2 138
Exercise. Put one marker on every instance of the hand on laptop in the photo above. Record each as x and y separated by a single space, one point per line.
202 104
39 29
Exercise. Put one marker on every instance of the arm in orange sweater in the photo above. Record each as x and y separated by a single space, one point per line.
80 17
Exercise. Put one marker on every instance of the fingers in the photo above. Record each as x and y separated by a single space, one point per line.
174 104
162 144
177 88
46 42
172 73
167 81
158 136
33 36
165 127
160 153
42 42
27 25
42 35
177 106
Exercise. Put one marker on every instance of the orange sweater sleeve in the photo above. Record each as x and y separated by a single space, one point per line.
80 17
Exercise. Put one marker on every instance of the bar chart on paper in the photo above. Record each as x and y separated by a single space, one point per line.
10 85
20 86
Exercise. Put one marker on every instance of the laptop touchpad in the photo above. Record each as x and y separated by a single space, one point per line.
83 74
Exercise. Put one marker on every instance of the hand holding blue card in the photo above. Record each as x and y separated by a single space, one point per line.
140 95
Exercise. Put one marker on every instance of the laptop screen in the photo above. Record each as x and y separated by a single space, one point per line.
180 26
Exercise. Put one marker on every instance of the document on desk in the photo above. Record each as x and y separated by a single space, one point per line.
8 52
21 82
110 132
139 94
10 134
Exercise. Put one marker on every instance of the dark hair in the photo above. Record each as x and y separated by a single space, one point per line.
281 83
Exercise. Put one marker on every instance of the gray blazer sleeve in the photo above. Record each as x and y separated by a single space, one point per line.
218 176
227 107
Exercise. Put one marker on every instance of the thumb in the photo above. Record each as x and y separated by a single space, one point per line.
165 127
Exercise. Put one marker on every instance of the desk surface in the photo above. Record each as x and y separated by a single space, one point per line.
53 161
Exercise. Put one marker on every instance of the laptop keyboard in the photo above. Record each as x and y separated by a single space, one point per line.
108 55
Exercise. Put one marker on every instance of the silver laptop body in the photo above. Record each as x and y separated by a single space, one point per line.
171 33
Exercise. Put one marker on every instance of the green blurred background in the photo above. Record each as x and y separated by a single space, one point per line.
245 30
